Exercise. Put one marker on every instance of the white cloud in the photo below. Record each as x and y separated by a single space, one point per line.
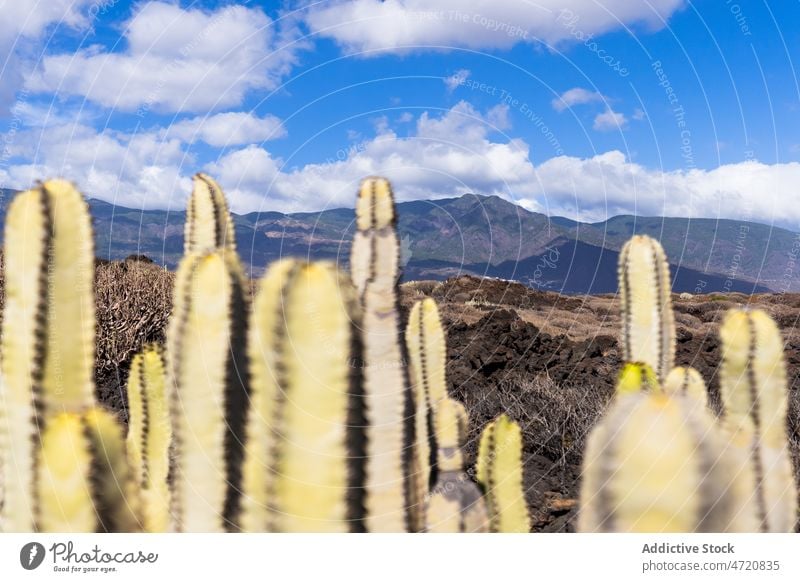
227 129
177 60
638 114
456 79
609 120
575 96
448 154
25 21
139 170
369 25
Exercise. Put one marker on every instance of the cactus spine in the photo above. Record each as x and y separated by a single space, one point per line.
657 463
648 324
754 397
427 358
394 481
455 504
304 469
209 386
48 337
150 435
209 225
499 471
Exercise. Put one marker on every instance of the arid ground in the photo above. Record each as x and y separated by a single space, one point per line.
549 361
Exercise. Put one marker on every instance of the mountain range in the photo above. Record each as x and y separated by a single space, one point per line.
484 236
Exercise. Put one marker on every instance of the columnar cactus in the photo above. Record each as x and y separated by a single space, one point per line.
648 324
686 380
150 435
84 484
427 358
209 225
304 467
455 504
209 392
499 471
657 463
393 476
48 337
754 396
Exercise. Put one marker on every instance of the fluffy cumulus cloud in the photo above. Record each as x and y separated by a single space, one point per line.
227 129
377 25
135 170
447 154
26 21
576 96
609 120
176 59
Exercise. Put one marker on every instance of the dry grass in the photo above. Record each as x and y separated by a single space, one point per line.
133 302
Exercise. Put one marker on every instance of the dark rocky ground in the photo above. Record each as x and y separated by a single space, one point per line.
549 361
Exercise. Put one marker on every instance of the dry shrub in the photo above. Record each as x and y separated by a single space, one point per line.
133 301
558 418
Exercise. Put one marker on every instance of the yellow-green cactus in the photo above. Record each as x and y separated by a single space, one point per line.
455 504
754 397
648 323
209 225
115 493
209 392
48 333
427 358
305 457
657 463
150 435
84 483
688 381
393 475
499 471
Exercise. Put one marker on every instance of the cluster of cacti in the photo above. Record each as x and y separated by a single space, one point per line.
65 467
311 408
660 461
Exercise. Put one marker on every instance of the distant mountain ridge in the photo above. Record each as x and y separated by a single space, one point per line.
484 236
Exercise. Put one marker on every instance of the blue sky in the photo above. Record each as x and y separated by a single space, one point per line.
578 108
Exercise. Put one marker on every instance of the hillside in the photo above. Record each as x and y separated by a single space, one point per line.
484 236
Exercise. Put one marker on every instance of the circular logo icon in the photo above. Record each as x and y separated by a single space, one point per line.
31 555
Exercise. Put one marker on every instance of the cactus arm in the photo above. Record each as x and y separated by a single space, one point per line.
264 426
48 332
427 357
149 436
64 493
500 474
656 463
455 504
648 324
391 483
754 397
209 385
209 225
313 467
688 381
115 493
